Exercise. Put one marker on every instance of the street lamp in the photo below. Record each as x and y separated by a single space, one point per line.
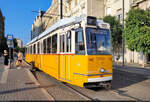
122 34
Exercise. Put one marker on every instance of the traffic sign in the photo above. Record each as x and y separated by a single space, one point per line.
9 37
10 43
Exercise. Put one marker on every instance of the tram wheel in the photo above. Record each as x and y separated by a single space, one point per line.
108 86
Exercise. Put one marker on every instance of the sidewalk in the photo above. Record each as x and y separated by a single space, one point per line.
20 84
133 68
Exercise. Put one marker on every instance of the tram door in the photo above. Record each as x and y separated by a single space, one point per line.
65 57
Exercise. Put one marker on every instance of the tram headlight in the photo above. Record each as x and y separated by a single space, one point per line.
102 70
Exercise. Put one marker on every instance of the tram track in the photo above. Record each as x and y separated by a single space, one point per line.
65 85
43 87
86 97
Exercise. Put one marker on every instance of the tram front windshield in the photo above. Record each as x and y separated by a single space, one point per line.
98 41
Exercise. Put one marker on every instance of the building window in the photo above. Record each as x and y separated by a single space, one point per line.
76 2
69 3
119 16
116 1
108 11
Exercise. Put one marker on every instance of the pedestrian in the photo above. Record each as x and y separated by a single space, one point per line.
5 59
20 58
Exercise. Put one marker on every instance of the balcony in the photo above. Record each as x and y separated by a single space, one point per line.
136 2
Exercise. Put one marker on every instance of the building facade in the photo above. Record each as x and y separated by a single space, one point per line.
114 8
70 8
2 27
87 7
45 19
97 8
19 42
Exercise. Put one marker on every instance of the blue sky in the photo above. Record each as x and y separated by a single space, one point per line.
19 16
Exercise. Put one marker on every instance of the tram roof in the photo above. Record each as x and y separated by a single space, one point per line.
61 23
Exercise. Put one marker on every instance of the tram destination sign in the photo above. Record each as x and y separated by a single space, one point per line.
91 20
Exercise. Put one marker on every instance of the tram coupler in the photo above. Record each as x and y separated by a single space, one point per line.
106 85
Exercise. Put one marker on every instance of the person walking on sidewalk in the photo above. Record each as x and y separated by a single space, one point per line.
5 59
20 58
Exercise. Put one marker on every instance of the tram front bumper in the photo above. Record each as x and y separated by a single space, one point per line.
100 79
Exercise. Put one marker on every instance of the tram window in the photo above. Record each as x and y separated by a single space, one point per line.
26 50
34 49
49 46
54 44
44 46
62 43
30 49
69 41
38 48
41 47
80 48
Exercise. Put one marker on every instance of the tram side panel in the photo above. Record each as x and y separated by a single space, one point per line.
79 69
49 64
95 63
28 58
72 68
37 60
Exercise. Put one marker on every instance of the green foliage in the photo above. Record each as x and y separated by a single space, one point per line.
17 49
137 30
15 42
116 32
22 50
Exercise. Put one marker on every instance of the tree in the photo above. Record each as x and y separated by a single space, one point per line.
17 49
15 42
137 30
116 32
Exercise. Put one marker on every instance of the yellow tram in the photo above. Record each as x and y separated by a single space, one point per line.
75 50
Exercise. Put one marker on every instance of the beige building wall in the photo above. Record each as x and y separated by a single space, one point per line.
114 8
52 14
70 8
20 44
87 7
44 21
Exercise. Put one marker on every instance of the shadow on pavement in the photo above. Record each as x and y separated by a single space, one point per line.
24 89
123 79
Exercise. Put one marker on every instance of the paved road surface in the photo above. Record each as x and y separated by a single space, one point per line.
125 86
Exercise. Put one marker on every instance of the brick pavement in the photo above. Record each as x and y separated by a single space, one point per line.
19 84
